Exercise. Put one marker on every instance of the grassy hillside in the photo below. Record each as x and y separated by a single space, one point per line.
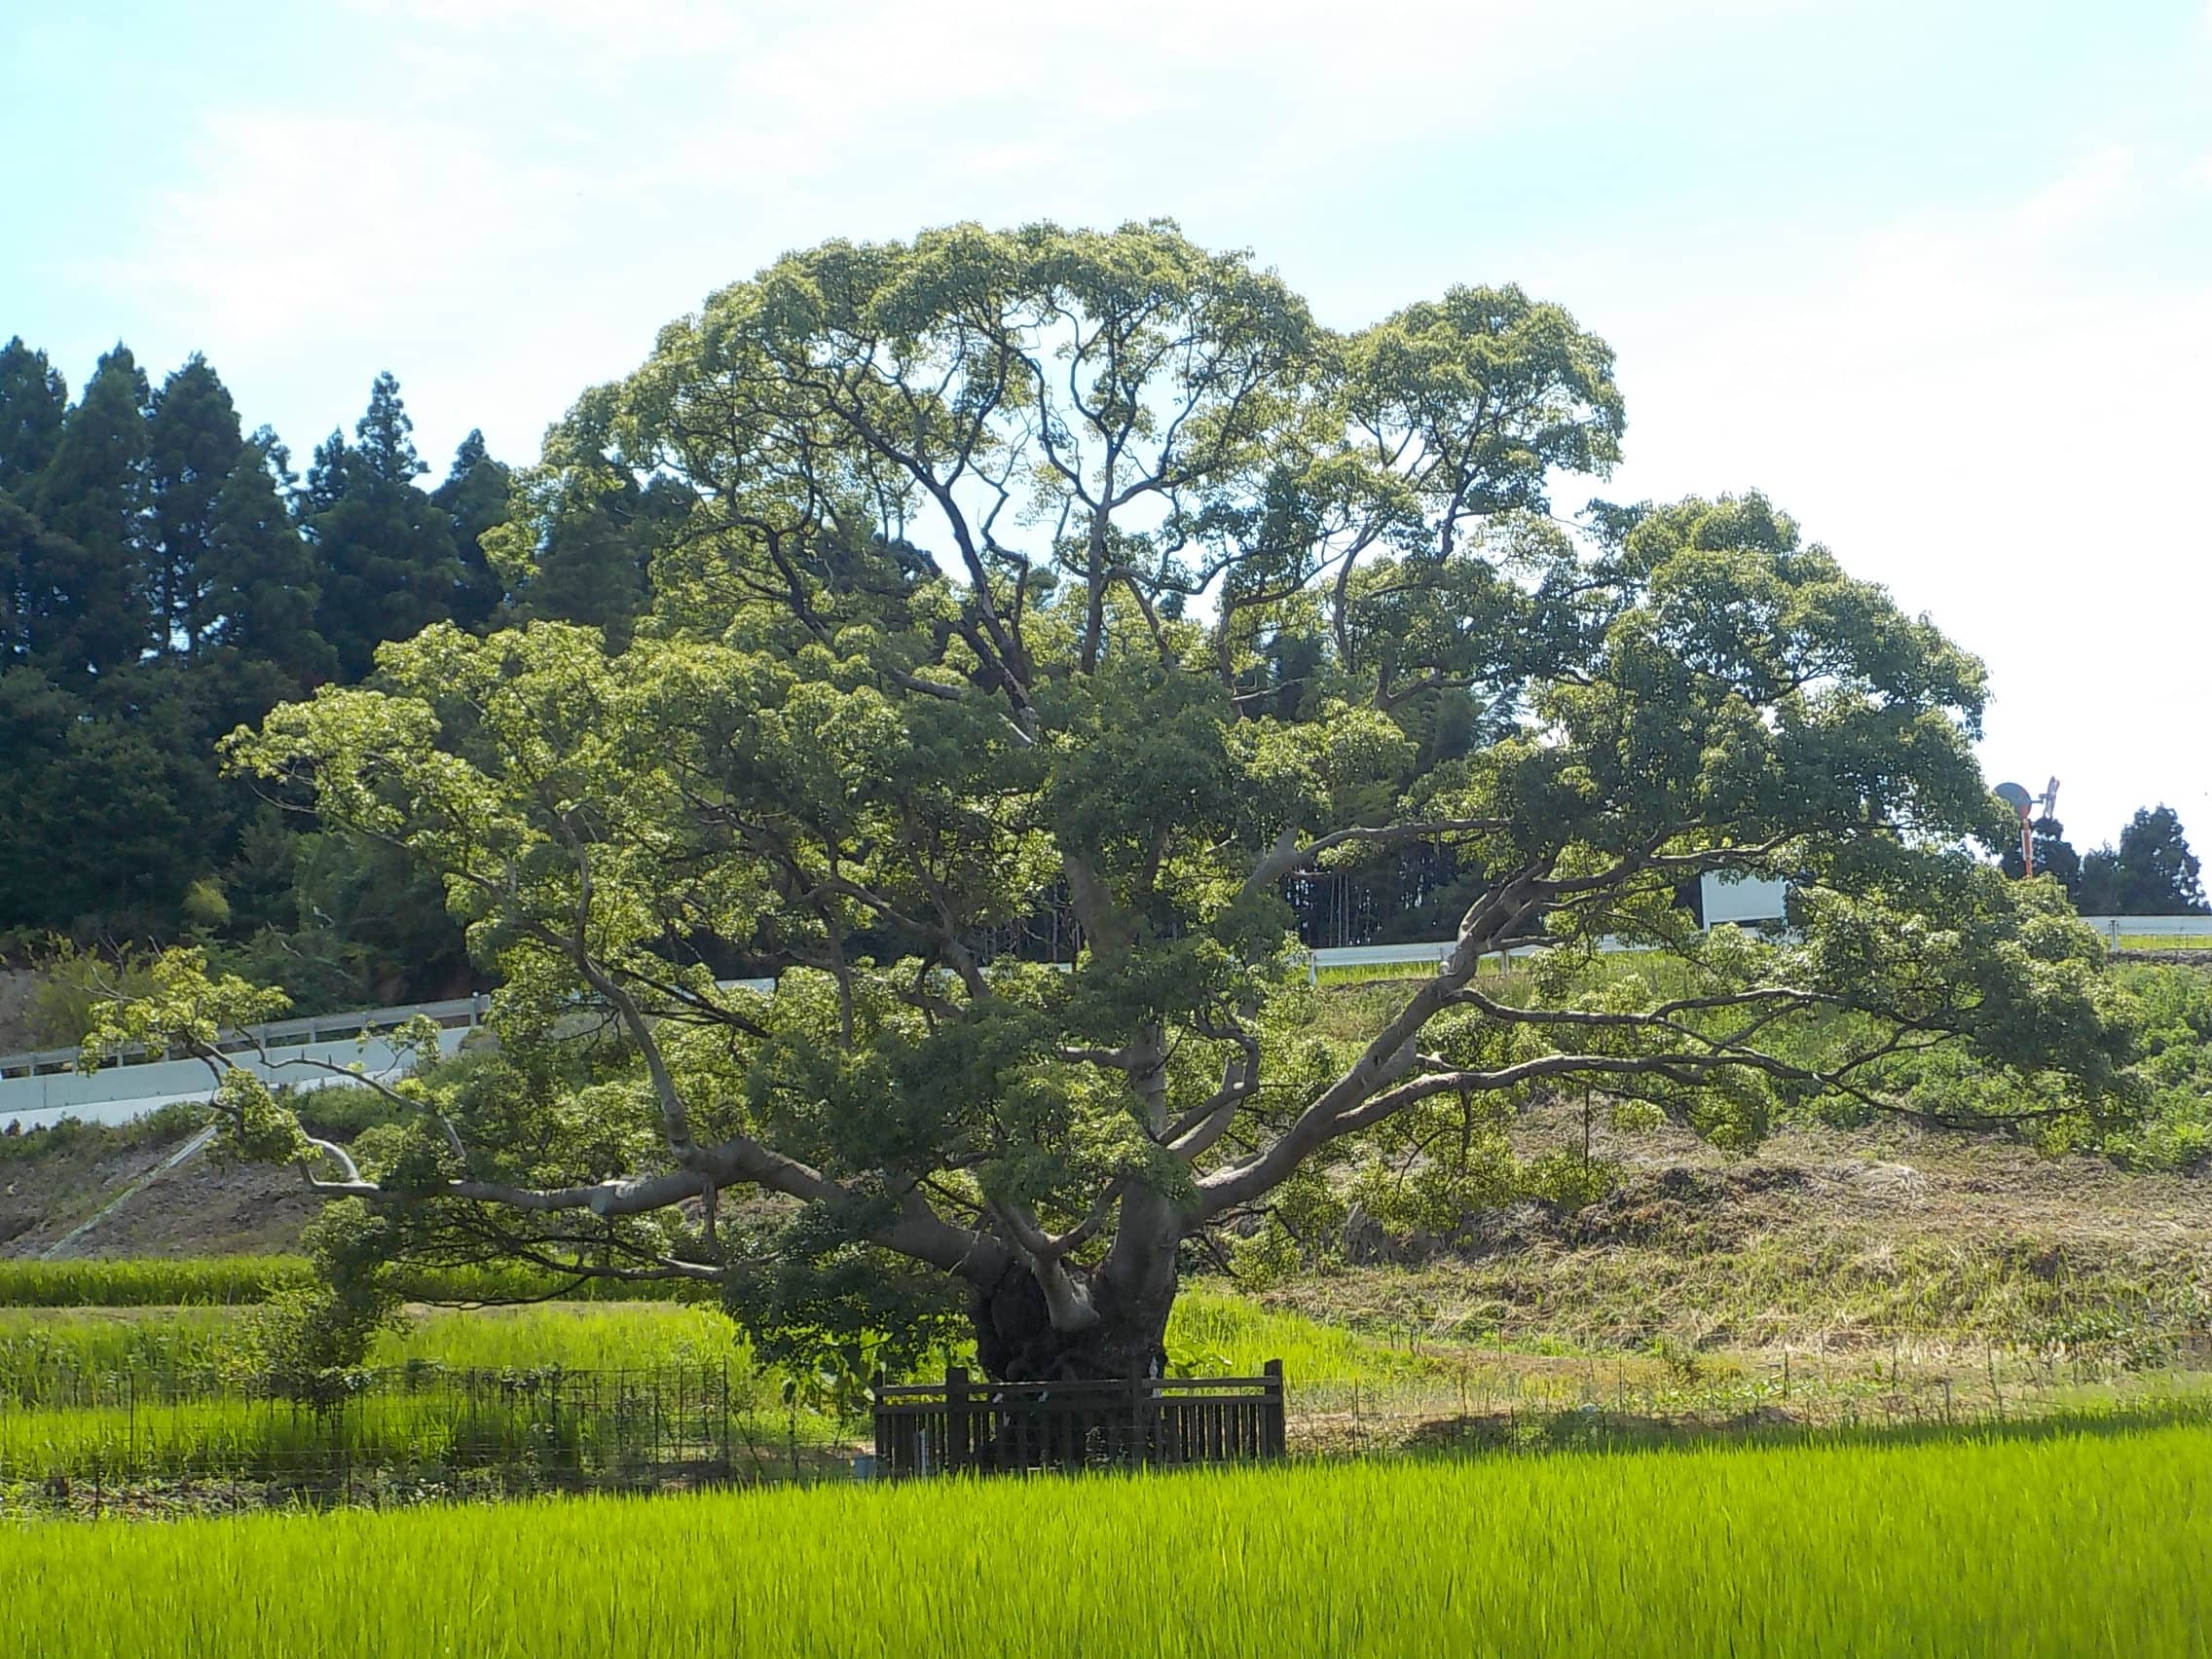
1824 1236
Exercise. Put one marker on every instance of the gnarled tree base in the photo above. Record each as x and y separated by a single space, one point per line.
1016 1341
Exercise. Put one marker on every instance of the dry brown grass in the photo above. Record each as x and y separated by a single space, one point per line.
1846 1240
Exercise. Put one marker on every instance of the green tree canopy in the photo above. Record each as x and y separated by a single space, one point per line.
1063 565
95 616
475 497
112 814
34 400
263 579
32 561
194 446
2151 872
2056 856
386 551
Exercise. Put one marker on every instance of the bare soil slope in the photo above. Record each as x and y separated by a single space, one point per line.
207 1206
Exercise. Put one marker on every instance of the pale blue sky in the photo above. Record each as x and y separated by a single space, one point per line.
1937 275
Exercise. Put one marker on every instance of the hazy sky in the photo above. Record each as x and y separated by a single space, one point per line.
1936 275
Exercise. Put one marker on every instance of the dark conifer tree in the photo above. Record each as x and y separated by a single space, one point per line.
262 576
388 568
2152 872
2055 857
326 479
276 457
93 495
193 448
384 436
588 573
112 803
34 399
475 497
32 558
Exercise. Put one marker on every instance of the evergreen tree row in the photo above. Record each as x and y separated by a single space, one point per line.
2151 873
166 577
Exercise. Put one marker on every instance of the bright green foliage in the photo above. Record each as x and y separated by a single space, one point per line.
179 1004
2070 1545
73 982
2172 1010
1065 566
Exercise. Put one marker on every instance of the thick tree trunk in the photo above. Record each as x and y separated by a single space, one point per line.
1016 1341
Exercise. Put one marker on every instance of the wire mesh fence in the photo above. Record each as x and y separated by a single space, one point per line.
417 1428
1884 1382
100 1442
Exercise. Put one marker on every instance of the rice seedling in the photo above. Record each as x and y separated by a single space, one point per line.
568 1335
52 1357
147 1282
225 1280
2069 1544
560 1428
1213 1332
1218 1333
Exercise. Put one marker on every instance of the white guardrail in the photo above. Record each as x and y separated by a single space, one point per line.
2155 929
42 1086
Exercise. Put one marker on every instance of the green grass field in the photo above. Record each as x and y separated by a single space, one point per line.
2073 1544
149 1283
184 1349
138 1394
190 1281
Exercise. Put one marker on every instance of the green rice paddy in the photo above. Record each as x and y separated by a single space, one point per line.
228 1280
2074 1544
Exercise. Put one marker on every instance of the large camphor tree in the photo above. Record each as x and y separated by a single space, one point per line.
1084 573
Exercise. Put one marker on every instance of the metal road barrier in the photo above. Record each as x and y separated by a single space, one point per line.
42 1086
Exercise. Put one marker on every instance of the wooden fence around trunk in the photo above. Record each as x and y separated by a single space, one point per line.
930 1428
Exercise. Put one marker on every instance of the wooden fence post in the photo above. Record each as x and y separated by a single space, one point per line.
1273 1432
959 1430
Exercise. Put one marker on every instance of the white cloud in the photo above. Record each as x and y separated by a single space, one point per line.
538 184
2010 438
2098 185
1999 414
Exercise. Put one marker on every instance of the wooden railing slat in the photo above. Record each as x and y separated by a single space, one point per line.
962 1423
